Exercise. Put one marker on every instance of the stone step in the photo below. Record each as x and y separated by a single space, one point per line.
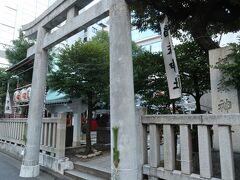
92 170
76 174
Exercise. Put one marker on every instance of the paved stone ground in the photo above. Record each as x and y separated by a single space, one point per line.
10 168
99 162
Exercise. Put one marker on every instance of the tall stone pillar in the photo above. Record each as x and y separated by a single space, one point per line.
223 101
122 91
76 129
30 164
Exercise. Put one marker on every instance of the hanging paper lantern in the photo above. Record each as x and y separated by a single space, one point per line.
23 95
28 93
16 96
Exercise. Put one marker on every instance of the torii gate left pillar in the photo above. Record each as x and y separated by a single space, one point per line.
30 165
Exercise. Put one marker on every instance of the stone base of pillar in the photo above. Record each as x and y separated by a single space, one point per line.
76 143
29 171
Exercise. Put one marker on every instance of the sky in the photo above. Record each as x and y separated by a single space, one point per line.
229 38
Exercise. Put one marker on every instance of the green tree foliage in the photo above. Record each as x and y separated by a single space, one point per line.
199 18
83 71
18 50
16 53
231 70
193 65
150 79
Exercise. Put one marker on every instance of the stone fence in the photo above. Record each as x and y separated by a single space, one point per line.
155 127
13 137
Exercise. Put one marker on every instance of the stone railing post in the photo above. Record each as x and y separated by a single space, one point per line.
186 149
205 156
141 141
226 152
154 143
61 136
76 130
169 147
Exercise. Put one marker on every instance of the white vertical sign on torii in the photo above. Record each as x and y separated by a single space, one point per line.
173 78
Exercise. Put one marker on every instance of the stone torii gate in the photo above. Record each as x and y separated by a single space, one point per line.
121 75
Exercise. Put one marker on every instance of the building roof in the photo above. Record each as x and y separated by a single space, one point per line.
23 64
55 97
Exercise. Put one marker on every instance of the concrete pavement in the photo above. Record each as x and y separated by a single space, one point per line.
10 168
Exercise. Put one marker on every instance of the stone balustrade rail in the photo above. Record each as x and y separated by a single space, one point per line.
14 131
151 127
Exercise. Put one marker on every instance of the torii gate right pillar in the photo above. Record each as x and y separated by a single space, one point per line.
122 106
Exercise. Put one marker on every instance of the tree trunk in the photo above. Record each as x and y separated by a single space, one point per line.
88 125
174 108
197 96
200 33
205 41
198 105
